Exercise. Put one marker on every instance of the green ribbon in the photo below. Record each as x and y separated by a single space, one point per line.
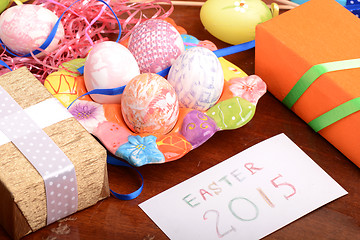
335 114
310 77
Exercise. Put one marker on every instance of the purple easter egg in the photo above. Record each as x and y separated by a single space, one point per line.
197 128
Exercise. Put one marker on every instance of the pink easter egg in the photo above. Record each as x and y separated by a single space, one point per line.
109 65
155 44
149 104
24 28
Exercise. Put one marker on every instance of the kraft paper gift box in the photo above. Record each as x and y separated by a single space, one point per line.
23 201
315 33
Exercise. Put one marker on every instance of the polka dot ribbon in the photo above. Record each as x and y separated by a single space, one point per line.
353 6
52 164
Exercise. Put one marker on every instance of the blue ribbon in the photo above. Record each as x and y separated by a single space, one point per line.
353 7
2 63
54 30
107 91
81 70
116 162
234 49
221 53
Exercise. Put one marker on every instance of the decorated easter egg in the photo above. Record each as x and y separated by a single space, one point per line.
109 65
232 113
149 104
173 146
4 4
155 44
62 85
24 28
233 21
197 128
198 78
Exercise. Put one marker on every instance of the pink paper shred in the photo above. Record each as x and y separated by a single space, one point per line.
86 23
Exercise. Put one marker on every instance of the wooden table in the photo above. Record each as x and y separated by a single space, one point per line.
115 219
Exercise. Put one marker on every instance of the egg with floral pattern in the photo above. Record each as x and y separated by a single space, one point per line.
24 28
149 104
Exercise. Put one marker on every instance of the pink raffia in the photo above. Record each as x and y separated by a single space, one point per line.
86 23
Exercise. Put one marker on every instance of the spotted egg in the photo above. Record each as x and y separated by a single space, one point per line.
197 78
109 65
149 104
24 28
155 44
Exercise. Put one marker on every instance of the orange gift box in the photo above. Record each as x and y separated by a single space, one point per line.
316 32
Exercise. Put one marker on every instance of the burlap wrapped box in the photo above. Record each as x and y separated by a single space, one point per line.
23 206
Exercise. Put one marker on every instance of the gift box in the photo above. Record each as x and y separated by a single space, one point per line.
75 176
309 61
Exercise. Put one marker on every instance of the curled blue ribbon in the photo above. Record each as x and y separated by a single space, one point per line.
106 91
116 162
54 30
2 63
221 53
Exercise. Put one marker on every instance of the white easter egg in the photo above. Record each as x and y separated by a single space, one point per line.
109 65
197 78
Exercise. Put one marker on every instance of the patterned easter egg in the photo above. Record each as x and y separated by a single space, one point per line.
109 65
149 104
155 44
198 78
197 128
173 146
23 28
63 86
232 113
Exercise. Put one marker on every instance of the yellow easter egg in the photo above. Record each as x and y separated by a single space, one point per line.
3 5
62 85
234 21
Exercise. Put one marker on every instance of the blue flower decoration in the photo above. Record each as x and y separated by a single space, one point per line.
139 151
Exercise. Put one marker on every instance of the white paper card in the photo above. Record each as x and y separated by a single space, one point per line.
248 196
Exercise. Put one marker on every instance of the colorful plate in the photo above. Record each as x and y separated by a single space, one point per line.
235 108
